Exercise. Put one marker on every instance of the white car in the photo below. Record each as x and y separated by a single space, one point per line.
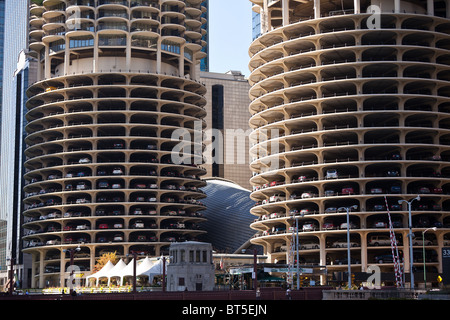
277 197
84 160
379 241
306 195
344 225
117 171
309 226
309 246
332 174
380 224
343 244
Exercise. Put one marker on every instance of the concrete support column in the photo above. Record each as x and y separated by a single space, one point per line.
158 57
95 60
316 9
128 53
41 269
447 9
47 73
285 8
364 259
265 17
62 270
357 6
181 62
66 57
396 6
33 270
430 7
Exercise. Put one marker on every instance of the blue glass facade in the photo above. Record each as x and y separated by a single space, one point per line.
228 215
256 25
204 63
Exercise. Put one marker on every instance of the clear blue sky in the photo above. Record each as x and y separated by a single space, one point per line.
230 35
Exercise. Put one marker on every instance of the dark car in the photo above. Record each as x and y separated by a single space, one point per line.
386 258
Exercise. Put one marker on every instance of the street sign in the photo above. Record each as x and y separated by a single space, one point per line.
446 265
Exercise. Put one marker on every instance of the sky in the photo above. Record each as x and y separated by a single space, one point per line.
230 35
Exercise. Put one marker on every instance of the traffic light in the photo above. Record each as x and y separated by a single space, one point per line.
439 278
353 278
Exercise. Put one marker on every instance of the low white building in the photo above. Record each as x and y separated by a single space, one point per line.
191 267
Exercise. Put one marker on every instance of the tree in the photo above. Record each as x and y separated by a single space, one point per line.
109 256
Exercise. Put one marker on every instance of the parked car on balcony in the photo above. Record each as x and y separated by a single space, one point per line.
328 226
379 240
118 237
277 197
331 210
306 195
380 224
309 246
393 173
139 224
117 171
276 183
309 226
424 190
344 225
331 174
385 258
376 190
343 244
347 190
103 185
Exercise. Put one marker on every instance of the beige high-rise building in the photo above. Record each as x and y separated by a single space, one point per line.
358 95
115 79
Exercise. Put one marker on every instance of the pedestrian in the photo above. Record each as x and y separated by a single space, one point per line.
288 294
258 294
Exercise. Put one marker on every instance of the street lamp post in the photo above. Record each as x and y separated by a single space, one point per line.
349 268
411 261
424 263
297 249
134 254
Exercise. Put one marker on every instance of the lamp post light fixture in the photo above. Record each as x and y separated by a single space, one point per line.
349 268
424 263
411 261
297 247
72 254
134 254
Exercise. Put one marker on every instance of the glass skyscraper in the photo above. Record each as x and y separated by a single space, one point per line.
13 40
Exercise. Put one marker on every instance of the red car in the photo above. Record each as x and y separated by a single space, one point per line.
347 190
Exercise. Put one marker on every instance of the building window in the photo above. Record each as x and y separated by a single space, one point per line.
181 281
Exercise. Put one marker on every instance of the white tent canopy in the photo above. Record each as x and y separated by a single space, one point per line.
103 273
114 272
145 267
154 270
